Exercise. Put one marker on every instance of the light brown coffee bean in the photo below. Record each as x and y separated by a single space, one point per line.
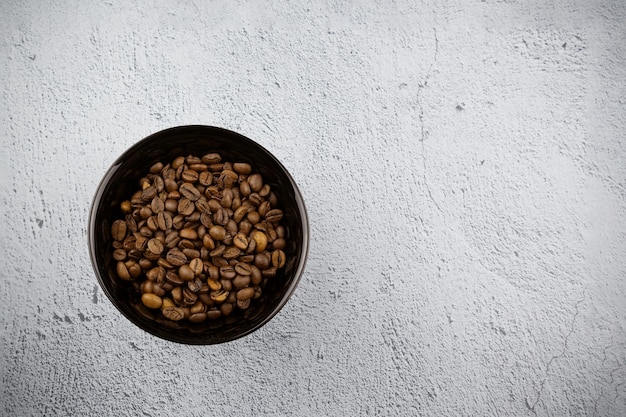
122 271
227 272
202 205
151 300
189 297
253 217
264 207
164 220
149 193
205 178
199 167
265 191
157 205
245 294
255 199
240 241
218 296
242 168
279 243
243 268
156 168
188 233
177 295
256 182
231 252
118 230
261 240
196 266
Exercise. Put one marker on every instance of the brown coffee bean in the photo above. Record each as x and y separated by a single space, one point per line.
118 230
197 317
173 313
177 295
119 254
246 258
198 167
189 297
254 217
172 239
227 178
227 272
221 217
255 199
189 175
185 273
205 178
122 271
148 194
243 268
188 233
217 232
185 207
231 252
241 281
211 158
262 260
240 241
145 212
176 257
265 191
244 189
191 253
151 300
202 205
256 182
156 168
243 304
190 192
214 205
213 314
195 285
173 278
279 243
269 272
278 258
274 215
218 251
157 205
242 168
218 296
196 266
170 185
226 309
164 220
155 246
245 294
255 275
155 273
261 240
264 207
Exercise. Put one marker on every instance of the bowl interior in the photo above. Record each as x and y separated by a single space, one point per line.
121 181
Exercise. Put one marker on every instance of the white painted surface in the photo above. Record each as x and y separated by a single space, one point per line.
464 169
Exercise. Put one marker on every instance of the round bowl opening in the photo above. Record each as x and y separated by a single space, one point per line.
121 181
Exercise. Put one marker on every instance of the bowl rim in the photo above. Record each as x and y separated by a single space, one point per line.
91 227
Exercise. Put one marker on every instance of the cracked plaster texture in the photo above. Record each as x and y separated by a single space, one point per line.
463 165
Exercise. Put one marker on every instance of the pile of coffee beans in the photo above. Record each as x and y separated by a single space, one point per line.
200 238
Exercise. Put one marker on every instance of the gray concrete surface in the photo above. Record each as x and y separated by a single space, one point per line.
464 168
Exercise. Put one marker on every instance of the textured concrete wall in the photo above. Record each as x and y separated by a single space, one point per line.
464 168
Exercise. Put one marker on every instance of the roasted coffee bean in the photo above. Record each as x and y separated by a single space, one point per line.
186 273
185 206
155 273
156 168
227 272
189 297
218 251
213 314
262 260
254 217
264 207
192 159
256 182
278 258
177 295
188 233
231 252
243 304
274 215
122 271
172 239
148 194
243 268
157 205
279 243
260 239
211 158
245 294
265 191
205 178
242 168
119 254
241 281
190 192
195 285
269 272
173 278
191 253
255 199
173 313
176 257
226 309
118 230
190 176
221 217
155 246
218 296
214 284
226 285
217 232
246 258
196 266
170 185
151 300
145 212
202 205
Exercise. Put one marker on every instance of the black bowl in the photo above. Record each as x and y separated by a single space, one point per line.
121 181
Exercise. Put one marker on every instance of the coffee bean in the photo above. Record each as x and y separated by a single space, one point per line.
185 272
155 246
218 296
198 167
262 260
151 300
256 182
242 168
189 175
211 158
241 281
191 253
213 314
170 185
264 207
157 205
173 278
122 271
274 215
195 285
151 223
196 266
189 297
243 304
190 192
118 230
192 159
119 254
245 294
217 232
243 268
279 243
205 178
176 257
260 239
185 206
278 258
231 252
240 241
173 313
227 272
